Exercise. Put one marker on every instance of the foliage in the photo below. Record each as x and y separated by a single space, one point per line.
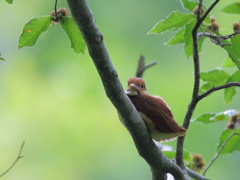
9 1
33 29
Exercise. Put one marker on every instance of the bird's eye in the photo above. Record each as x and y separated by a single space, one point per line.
142 86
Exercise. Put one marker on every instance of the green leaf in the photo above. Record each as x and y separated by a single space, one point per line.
74 34
1 58
215 117
232 145
235 41
230 92
233 8
228 63
188 39
33 29
9 1
173 22
216 75
172 154
189 5
177 39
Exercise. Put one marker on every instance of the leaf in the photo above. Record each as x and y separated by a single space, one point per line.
189 5
233 8
74 34
228 63
232 145
177 39
1 58
230 92
173 22
215 117
172 154
188 39
215 75
33 29
235 41
9 1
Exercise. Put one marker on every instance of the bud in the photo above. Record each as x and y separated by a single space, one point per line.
57 15
213 19
195 11
214 27
236 26
234 120
197 162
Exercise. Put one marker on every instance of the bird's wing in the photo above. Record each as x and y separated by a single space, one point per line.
157 110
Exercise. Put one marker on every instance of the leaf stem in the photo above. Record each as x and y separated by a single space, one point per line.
55 6
16 160
220 150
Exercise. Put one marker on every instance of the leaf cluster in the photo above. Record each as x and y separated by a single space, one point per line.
35 27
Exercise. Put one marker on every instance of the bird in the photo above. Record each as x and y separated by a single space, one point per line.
154 111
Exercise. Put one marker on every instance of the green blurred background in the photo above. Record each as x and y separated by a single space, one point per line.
53 99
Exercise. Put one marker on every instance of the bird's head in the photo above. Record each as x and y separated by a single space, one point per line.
136 86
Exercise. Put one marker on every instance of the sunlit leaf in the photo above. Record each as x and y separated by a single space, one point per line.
230 92
74 34
233 8
232 145
228 63
9 1
189 5
215 75
173 22
33 29
215 117
188 39
177 39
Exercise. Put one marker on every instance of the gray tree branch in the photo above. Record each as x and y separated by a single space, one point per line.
159 164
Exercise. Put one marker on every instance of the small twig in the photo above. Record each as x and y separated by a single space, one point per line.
195 175
213 89
220 150
55 6
16 160
193 103
217 39
142 67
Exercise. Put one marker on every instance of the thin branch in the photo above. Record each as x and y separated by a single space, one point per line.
195 175
55 6
114 91
142 67
220 150
213 89
193 103
16 160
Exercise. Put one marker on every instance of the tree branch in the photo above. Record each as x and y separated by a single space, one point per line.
114 91
213 89
142 67
16 160
194 101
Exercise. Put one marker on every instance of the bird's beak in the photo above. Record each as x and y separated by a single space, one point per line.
132 89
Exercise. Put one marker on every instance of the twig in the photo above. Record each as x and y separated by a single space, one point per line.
55 6
16 160
193 103
142 67
213 89
220 150
195 175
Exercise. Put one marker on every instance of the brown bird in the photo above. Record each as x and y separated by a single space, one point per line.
154 112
